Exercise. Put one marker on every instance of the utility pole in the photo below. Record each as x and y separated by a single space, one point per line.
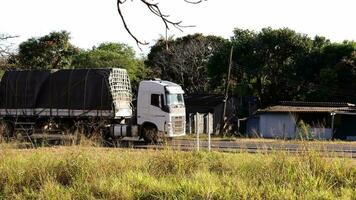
222 123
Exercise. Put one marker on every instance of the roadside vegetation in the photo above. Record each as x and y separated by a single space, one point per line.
266 64
79 172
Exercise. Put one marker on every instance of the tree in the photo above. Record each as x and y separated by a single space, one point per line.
4 45
280 64
52 51
155 10
243 43
109 55
281 51
185 60
336 80
5 52
264 63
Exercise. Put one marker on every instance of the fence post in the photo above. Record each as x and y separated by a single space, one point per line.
208 131
197 129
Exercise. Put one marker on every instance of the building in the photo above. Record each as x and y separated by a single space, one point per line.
309 120
204 112
210 109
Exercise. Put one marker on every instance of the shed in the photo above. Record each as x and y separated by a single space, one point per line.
289 120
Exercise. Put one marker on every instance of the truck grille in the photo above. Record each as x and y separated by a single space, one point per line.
178 124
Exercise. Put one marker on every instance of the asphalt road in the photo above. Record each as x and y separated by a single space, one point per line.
342 149
327 148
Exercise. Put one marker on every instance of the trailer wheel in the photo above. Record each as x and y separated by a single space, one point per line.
150 134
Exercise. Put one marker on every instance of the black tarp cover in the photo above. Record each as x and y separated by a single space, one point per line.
77 89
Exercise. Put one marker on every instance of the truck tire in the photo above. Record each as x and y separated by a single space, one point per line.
150 134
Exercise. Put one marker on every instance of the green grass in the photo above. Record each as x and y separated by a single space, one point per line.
100 173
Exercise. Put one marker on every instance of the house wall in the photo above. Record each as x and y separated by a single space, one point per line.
284 125
252 126
277 125
320 133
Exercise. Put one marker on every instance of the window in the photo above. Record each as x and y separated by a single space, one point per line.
155 100
174 99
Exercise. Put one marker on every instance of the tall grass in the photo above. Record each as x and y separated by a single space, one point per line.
100 173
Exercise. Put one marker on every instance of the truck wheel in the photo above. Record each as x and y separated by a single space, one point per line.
150 134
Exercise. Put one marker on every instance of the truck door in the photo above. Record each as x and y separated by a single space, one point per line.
156 105
156 115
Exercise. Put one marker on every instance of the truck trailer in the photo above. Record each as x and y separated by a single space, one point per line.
90 101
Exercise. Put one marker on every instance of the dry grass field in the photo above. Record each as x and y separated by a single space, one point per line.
82 172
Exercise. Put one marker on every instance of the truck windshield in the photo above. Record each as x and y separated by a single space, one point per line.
174 99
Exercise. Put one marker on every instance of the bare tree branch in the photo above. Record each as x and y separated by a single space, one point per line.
138 42
155 9
4 47
5 37
194 2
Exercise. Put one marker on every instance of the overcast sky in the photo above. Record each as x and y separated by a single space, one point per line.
91 22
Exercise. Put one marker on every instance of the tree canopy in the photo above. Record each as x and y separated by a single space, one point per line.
184 60
271 64
109 55
280 64
52 51
55 51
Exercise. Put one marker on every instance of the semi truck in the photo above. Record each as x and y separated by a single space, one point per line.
89 101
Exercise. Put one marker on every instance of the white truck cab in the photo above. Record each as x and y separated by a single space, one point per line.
160 109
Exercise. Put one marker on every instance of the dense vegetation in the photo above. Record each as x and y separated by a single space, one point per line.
281 64
96 173
185 60
273 64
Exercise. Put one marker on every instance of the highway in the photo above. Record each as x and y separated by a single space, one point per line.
340 149
327 148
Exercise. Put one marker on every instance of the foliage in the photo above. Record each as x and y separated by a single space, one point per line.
52 51
335 79
96 173
280 64
184 60
272 64
109 55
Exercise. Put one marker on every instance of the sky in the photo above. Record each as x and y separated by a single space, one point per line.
92 22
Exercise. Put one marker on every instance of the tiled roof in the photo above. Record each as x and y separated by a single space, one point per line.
316 104
307 107
304 109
